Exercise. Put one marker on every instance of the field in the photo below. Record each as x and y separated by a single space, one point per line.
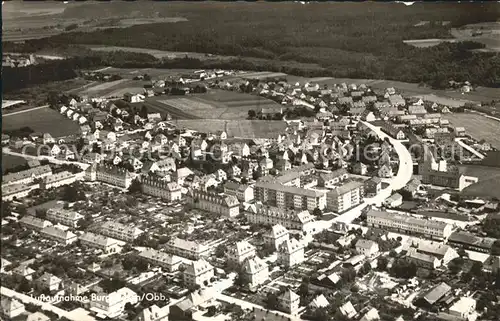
215 104
159 54
236 128
478 126
44 120
11 161
114 88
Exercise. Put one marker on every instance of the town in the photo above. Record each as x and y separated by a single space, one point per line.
361 206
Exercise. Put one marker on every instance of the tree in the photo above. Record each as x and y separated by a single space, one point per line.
476 268
135 187
252 114
382 263
456 265
143 112
72 194
41 213
271 301
220 251
317 212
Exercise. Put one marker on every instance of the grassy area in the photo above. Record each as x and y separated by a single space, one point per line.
44 120
11 161
237 128
478 126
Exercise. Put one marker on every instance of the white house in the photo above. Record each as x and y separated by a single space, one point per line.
256 272
198 273
366 247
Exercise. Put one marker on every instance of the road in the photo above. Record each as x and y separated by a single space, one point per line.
71 315
24 111
470 149
405 172
83 166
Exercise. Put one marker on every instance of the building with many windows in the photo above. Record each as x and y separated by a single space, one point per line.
440 174
169 191
289 302
109 174
471 242
226 205
243 192
15 191
239 252
345 197
188 249
65 217
34 223
119 231
165 260
409 224
277 236
268 215
27 176
291 253
104 243
198 273
256 272
62 236
56 180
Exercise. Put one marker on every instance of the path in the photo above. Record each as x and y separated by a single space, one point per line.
24 111
470 149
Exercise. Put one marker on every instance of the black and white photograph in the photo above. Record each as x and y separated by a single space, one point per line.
250 161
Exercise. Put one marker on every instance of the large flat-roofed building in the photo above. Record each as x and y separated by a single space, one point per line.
63 216
345 197
188 249
120 231
440 174
409 224
226 205
169 191
268 215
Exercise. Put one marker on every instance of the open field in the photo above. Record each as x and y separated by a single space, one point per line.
159 54
44 120
212 105
236 128
113 88
478 126
103 86
11 161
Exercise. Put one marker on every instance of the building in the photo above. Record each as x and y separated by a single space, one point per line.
393 131
169 191
331 179
34 223
268 215
28 176
113 304
109 174
154 313
256 272
422 260
11 308
463 308
188 249
446 176
225 205
394 200
471 242
165 260
120 231
437 293
408 224
106 244
240 252
49 282
198 273
274 193
444 253
59 235
243 192
372 186
64 216
15 191
277 236
291 253
289 302
56 180
345 197
185 309
366 247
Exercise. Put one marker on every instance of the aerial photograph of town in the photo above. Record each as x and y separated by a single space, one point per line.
250 161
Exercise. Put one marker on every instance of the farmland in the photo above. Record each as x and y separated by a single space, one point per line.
44 120
215 104
236 128
478 126
159 54
11 161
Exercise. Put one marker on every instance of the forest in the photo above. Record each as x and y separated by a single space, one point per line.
354 40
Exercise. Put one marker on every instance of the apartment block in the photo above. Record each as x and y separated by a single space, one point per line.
240 252
256 272
408 224
106 244
291 253
165 260
198 273
63 216
188 249
269 215
120 231
169 191
225 205
345 197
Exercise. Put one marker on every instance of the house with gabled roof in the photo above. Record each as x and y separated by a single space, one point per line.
198 273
